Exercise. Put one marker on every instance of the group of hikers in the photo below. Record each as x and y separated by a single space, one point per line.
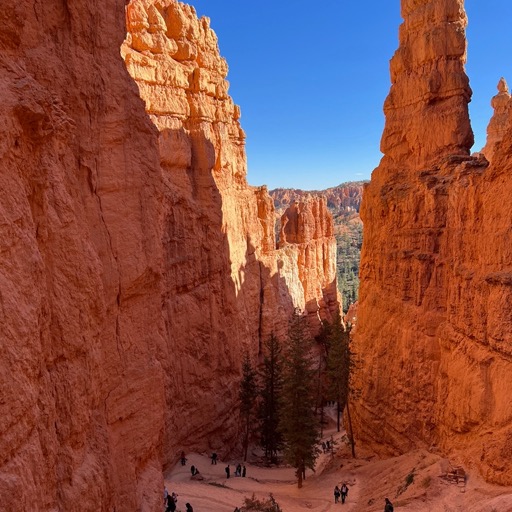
170 501
239 471
343 491
327 445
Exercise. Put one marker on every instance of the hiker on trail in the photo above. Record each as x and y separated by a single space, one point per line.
171 504
174 497
183 459
227 470
389 506
344 492
238 471
324 446
166 493
336 494
244 471
214 458
189 507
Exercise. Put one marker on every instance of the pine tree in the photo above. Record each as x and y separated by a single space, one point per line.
271 385
248 394
323 340
298 422
339 365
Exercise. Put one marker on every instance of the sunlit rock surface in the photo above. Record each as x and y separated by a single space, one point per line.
434 316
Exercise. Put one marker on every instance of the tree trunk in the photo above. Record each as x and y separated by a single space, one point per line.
338 415
299 476
246 439
351 432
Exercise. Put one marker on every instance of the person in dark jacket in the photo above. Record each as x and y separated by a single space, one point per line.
171 504
336 494
227 470
344 492
189 507
389 506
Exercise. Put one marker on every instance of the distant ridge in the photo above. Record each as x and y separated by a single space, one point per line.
344 203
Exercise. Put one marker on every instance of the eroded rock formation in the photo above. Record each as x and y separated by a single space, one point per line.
344 203
137 265
434 316
344 198
497 129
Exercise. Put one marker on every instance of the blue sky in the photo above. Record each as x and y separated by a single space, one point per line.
311 80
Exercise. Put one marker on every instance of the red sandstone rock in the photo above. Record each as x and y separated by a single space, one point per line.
434 317
137 265
343 198
80 266
502 105
429 87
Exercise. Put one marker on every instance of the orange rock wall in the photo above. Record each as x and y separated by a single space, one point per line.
226 285
434 316
80 266
137 264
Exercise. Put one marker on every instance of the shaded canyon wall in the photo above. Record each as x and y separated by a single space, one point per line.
137 265
435 317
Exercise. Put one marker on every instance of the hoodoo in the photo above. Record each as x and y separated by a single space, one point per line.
497 129
434 318
137 265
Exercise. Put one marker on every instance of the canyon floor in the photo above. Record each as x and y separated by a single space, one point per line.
369 479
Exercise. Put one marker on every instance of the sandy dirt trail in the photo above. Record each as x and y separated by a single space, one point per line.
412 481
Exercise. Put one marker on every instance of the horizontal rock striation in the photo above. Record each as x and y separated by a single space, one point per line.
434 317
137 265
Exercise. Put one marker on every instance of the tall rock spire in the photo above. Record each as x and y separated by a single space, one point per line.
426 110
502 105
433 323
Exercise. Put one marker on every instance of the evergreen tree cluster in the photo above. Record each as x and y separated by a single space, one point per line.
349 244
279 404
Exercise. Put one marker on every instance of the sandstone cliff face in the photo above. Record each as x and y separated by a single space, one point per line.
344 203
434 313
79 267
307 230
137 265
